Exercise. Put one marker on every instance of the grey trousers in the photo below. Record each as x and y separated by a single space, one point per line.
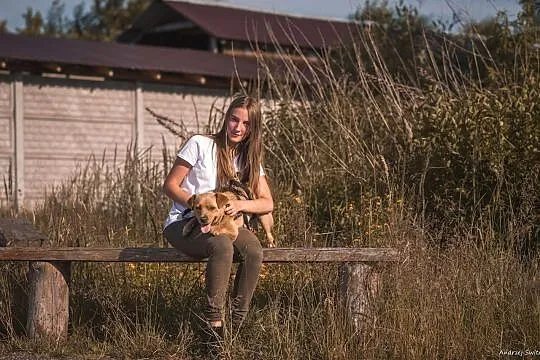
221 252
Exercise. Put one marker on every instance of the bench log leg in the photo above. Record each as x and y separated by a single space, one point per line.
359 285
48 308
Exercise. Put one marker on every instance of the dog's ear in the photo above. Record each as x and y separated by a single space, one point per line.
191 201
221 199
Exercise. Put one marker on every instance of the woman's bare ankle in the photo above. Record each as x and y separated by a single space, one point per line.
217 323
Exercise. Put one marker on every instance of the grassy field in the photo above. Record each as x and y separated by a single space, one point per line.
445 169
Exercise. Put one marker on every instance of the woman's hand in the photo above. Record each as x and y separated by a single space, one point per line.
234 207
262 204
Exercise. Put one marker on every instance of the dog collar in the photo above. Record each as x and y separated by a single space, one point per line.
188 213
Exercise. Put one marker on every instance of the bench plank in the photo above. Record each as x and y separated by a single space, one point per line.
275 255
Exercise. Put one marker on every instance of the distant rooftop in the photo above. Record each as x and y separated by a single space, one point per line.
256 9
226 22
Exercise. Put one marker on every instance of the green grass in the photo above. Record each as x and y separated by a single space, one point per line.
447 173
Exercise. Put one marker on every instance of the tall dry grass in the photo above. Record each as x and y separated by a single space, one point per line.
446 172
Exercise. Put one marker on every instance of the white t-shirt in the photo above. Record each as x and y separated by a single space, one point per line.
200 152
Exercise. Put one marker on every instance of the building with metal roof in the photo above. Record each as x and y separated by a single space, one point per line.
181 42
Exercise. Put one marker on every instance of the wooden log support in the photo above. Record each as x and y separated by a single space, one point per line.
359 285
22 233
48 308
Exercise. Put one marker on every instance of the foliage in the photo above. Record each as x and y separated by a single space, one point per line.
398 33
33 22
104 20
480 154
56 23
459 143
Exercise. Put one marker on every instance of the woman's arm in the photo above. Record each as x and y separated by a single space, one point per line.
263 203
173 182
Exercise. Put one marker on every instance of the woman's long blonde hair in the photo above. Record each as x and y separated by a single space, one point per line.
249 151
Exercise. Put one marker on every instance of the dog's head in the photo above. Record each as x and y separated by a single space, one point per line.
208 208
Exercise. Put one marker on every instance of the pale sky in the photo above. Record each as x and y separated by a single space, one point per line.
11 10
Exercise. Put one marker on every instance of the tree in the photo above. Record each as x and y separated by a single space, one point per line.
507 47
375 13
33 23
80 22
3 26
104 20
396 34
57 22
488 27
530 12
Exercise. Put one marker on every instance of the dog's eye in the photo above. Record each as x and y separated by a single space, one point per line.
212 208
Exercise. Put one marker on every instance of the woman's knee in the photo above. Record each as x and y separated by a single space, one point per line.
255 254
172 234
220 246
251 245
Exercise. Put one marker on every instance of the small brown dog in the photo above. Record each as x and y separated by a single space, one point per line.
236 190
209 209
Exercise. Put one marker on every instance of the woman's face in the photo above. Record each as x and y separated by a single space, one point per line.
238 125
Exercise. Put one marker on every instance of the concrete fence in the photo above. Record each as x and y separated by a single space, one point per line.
49 125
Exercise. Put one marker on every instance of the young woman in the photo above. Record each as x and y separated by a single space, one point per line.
204 164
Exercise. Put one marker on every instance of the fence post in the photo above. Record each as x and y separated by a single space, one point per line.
139 117
18 119
48 308
359 285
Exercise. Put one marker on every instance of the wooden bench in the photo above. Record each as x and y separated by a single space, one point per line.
50 269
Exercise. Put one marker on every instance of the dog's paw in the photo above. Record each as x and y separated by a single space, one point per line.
271 241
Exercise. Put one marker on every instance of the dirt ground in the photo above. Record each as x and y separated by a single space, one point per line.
28 356
25 356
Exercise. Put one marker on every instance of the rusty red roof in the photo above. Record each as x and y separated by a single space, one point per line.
123 56
234 23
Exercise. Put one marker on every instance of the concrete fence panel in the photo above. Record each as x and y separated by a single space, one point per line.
50 126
